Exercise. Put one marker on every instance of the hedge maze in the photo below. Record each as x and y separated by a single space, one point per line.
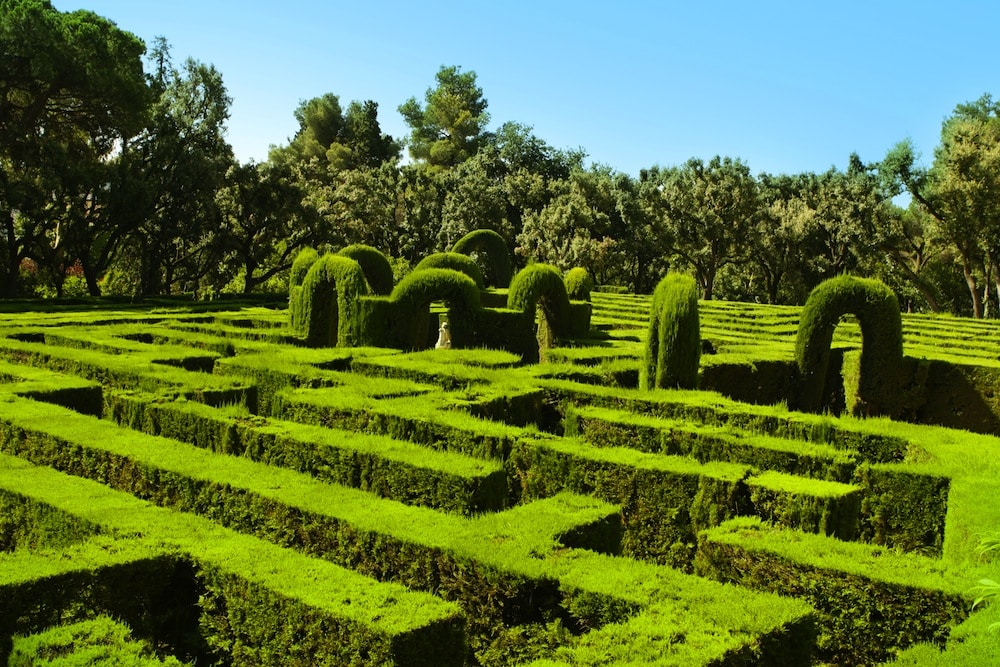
220 487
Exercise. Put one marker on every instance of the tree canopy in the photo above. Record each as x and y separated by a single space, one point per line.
116 177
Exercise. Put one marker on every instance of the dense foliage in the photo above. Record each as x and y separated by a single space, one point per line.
116 178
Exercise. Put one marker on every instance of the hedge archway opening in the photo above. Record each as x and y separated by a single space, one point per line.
416 292
494 249
877 310
329 292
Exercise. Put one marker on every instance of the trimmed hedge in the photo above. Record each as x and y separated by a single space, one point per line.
300 267
386 467
877 310
673 343
376 266
870 602
245 590
579 284
414 294
329 291
541 285
454 261
492 245
100 641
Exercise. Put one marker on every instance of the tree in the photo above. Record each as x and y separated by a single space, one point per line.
264 221
778 238
451 125
336 140
709 209
961 189
183 157
72 87
846 227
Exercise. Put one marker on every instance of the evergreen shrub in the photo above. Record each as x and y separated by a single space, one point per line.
877 310
540 287
376 266
329 291
673 343
455 261
491 244
579 284
415 293
300 267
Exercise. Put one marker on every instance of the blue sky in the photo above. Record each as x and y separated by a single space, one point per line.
787 86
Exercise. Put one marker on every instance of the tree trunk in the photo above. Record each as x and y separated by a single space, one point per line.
970 281
8 288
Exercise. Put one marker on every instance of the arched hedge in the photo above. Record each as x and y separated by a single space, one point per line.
415 293
300 267
376 266
455 261
673 345
541 285
492 245
877 310
579 284
329 293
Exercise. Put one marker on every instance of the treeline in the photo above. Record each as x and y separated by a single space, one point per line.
116 178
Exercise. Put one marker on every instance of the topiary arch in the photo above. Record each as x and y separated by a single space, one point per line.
376 266
300 267
877 310
673 345
541 285
492 245
415 293
329 293
455 261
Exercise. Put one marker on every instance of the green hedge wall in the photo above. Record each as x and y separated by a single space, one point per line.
673 343
491 244
864 619
376 266
877 310
99 641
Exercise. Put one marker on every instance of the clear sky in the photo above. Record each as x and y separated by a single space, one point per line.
787 86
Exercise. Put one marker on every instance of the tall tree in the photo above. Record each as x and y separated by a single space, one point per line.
183 156
451 125
960 190
71 88
709 209
335 139
264 221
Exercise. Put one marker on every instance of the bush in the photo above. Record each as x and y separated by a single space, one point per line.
877 310
329 292
541 285
579 284
492 245
414 294
300 267
376 266
454 261
673 344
